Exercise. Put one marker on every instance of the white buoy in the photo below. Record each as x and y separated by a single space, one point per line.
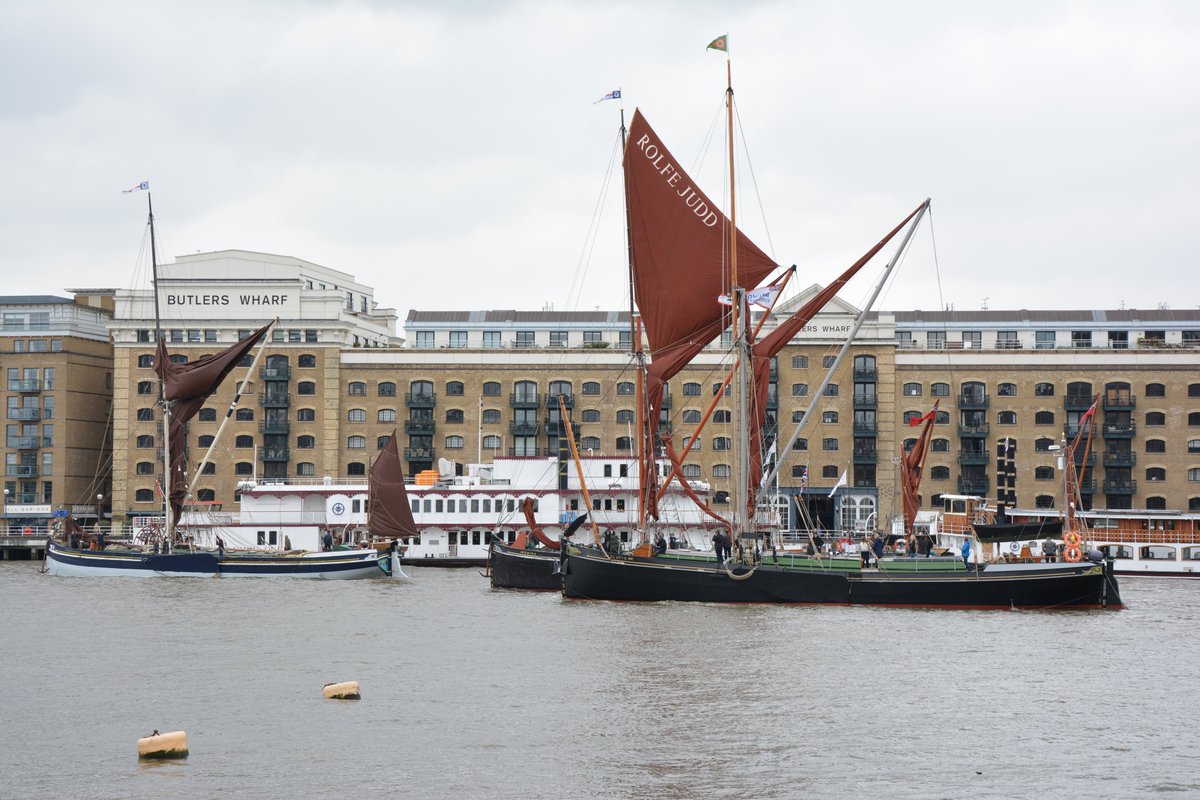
163 745
342 691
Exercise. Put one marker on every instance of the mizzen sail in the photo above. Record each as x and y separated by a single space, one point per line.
389 515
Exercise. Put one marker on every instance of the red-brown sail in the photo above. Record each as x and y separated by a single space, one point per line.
389 515
187 387
679 246
912 465
770 346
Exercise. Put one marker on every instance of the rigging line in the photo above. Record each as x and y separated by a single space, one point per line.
754 182
575 292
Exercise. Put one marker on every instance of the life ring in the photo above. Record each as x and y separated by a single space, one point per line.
27 531
1015 547
1072 539
1073 553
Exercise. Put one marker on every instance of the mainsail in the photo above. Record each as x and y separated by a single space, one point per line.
679 248
389 515
186 387
912 465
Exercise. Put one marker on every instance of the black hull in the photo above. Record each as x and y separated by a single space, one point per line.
524 569
1018 531
1083 585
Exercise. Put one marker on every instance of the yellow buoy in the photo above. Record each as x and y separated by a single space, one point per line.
342 691
163 745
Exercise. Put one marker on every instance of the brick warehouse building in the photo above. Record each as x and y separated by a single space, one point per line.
467 385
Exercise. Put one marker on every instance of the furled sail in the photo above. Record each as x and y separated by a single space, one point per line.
770 346
389 515
187 387
679 248
912 465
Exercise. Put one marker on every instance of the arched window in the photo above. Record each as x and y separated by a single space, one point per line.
624 416
419 389
454 443
1043 418
1156 503
799 471
243 468
1156 445
145 415
146 361
909 444
799 390
939 390
1194 418
799 362
305 442
1043 473
624 443
386 389
691 470
147 387
525 392
356 443
1194 390
827 417
145 468
796 415
939 446
244 442
454 388
800 444
356 468
973 392
356 415
557 388
1156 390
1193 445
491 389
831 390
591 388
1193 504
1044 501
941 417
1043 444
721 470
145 441
306 469
244 415
590 442
1006 390
589 415
722 443
913 389
829 471
688 443
829 444
1006 418
1079 391
1044 390
909 416
1156 418
306 387
625 387
306 361
306 415
357 389
691 389
939 473
143 496
721 416
1156 474
206 495
491 442
454 416
491 415
1193 474
381 441
205 440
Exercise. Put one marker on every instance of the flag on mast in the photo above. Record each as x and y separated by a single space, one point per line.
840 483
143 185
615 94
720 43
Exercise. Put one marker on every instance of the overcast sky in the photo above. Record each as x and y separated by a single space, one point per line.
451 154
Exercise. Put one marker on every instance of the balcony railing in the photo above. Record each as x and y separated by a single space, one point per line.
865 455
420 399
418 453
866 401
27 386
867 374
974 457
22 442
977 401
21 471
524 400
275 399
27 414
552 400
1119 401
1077 402
524 428
1119 430
282 426
1120 459
865 429
529 452
1120 486
420 426
275 453
275 373
974 485
974 430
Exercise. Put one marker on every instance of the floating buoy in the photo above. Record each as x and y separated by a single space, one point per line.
342 691
163 745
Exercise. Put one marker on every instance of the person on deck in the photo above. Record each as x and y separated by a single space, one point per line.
966 552
327 541
660 545
220 547
1050 550
718 541
877 547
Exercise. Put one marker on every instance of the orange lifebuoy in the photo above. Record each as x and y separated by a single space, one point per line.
1073 553
28 531
1072 539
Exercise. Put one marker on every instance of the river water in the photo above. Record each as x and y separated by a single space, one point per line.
474 693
